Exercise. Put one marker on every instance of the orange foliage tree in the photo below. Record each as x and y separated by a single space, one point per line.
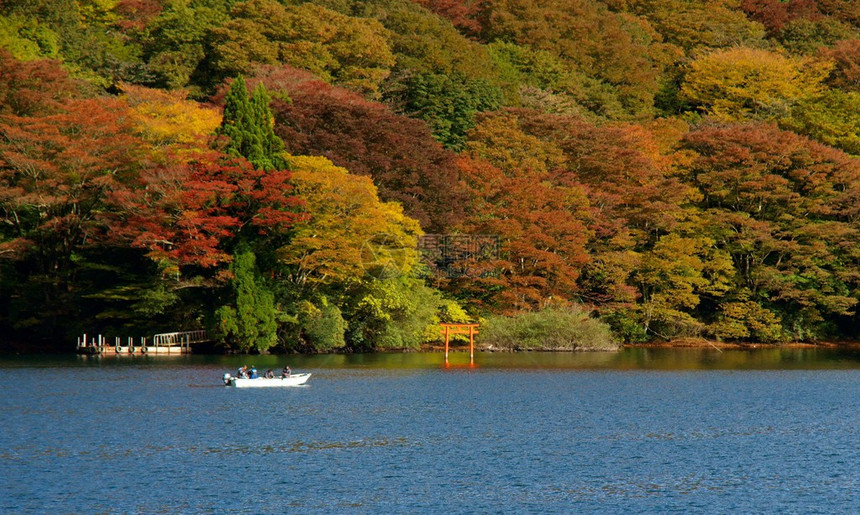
542 238
33 87
57 174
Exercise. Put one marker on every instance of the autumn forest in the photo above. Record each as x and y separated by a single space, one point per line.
266 169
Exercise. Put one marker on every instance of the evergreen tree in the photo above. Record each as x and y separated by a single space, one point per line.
250 324
249 124
271 146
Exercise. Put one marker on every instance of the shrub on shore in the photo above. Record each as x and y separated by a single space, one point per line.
552 329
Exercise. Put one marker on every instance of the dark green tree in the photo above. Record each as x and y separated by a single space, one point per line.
175 43
448 104
248 122
249 322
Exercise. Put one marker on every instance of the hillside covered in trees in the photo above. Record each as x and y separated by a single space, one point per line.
265 168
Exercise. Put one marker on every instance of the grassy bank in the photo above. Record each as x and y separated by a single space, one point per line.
567 328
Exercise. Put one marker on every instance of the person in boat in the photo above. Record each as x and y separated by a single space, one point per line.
286 372
270 374
253 373
242 372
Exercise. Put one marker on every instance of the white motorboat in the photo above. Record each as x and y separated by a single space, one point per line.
265 382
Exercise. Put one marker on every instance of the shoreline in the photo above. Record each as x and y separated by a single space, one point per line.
681 343
702 343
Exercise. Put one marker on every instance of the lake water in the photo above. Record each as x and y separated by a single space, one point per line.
642 430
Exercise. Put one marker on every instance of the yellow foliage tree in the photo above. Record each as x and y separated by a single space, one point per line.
500 140
167 118
748 83
744 319
350 233
27 39
833 119
99 11
692 24
348 51
673 276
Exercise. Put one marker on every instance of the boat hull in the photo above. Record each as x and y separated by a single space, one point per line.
262 382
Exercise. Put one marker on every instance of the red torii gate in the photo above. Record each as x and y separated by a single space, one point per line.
470 329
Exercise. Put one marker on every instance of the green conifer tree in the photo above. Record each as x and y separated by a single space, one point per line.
250 323
249 124
271 146
236 112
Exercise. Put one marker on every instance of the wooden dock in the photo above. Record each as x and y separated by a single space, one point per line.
164 344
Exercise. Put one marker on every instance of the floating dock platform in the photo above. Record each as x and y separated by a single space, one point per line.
160 344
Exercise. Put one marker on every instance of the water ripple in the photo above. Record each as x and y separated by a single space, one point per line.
416 440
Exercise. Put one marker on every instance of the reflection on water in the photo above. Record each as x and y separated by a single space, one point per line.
637 430
636 358
627 359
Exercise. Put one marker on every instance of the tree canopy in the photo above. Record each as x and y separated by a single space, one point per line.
325 175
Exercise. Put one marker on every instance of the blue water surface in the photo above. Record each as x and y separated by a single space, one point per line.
161 436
